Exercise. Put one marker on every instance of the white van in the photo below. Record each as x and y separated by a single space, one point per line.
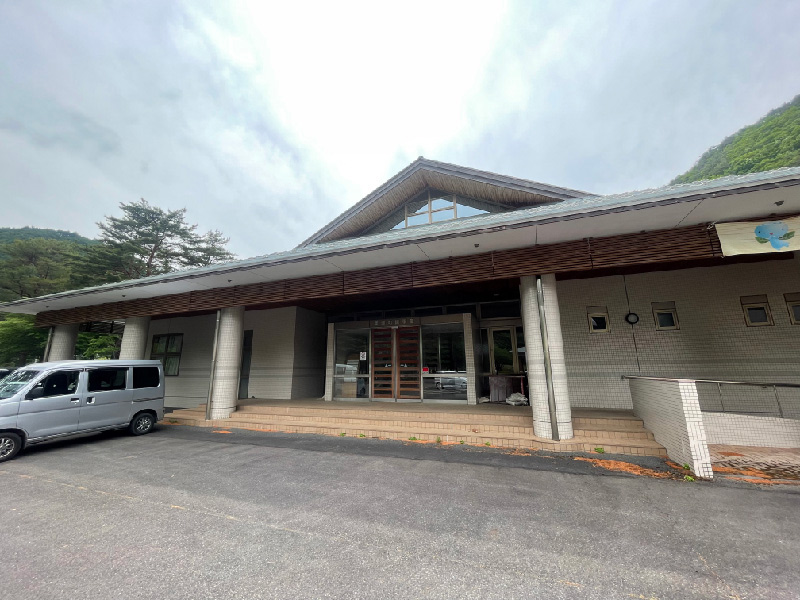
51 400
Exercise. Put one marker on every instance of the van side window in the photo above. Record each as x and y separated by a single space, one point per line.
59 383
145 377
105 380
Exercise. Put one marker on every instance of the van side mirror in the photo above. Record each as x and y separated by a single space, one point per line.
36 392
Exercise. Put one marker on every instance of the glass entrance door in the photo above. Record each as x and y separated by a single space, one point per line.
502 351
396 364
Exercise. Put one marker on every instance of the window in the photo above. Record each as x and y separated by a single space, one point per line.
756 311
433 207
167 349
666 316
443 348
598 319
145 377
793 304
106 380
59 383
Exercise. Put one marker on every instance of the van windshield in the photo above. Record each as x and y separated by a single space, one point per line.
11 384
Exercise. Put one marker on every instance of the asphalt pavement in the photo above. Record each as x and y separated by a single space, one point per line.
194 513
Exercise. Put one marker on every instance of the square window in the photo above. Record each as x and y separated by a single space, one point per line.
598 322
794 312
757 315
666 320
167 348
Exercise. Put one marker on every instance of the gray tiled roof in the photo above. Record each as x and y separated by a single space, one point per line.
538 214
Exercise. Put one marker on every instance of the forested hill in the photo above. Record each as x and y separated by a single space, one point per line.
9 234
771 143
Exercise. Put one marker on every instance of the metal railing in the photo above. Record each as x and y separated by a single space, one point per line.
766 402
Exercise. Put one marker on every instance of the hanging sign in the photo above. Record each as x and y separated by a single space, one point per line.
759 237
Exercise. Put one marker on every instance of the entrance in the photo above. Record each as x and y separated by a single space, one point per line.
396 364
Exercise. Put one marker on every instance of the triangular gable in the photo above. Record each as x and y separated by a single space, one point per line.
501 190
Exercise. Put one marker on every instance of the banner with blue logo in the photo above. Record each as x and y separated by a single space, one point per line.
759 237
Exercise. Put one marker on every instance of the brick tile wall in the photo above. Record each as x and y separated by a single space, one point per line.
671 410
713 341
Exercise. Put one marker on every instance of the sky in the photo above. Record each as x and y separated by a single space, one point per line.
267 120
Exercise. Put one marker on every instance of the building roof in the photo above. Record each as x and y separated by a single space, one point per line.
423 173
573 218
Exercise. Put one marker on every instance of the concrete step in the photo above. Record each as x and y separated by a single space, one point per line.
508 439
381 410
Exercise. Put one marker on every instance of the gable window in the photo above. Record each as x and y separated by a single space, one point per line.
666 316
793 304
167 349
598 319
434 207
756 311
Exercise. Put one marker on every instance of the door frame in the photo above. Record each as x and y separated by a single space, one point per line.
514 351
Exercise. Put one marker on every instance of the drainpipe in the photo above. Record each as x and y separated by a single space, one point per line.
46 356
213 367
548 368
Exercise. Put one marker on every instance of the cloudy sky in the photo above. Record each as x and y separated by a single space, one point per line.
266 120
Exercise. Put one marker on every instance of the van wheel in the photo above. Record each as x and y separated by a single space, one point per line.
10 445
142 423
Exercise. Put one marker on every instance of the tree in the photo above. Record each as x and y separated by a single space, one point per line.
20 342
147 240
97 346
35 267
771 143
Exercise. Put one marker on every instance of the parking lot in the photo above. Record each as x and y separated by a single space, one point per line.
195 513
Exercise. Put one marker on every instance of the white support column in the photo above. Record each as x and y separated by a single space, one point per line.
558 362
227 363
330 362
471 358
62 343
536 358
134 338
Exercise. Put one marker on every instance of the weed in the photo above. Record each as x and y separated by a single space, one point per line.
342 434
412 439
461 442
688 478
687 467
438 440
361 435
600 450
488 444
172 421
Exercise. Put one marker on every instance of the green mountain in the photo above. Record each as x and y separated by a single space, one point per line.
9 234
771 143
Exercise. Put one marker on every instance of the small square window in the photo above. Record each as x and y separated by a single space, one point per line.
666 316
757 315
794 313
598 320
756 311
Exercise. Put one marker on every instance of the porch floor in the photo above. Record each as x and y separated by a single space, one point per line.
615 431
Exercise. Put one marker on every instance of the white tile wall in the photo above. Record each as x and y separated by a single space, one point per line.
273 352
671 410
745 430
713 341
190 387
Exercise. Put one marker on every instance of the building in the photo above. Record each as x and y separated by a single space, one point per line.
449 284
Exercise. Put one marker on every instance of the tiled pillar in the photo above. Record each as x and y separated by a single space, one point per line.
330 362
227 362
62 343
134 338
471 358
535 356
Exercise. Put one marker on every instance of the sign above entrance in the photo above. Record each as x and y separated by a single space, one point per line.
395 322
759 237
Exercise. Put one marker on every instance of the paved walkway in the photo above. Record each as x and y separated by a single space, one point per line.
757 465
